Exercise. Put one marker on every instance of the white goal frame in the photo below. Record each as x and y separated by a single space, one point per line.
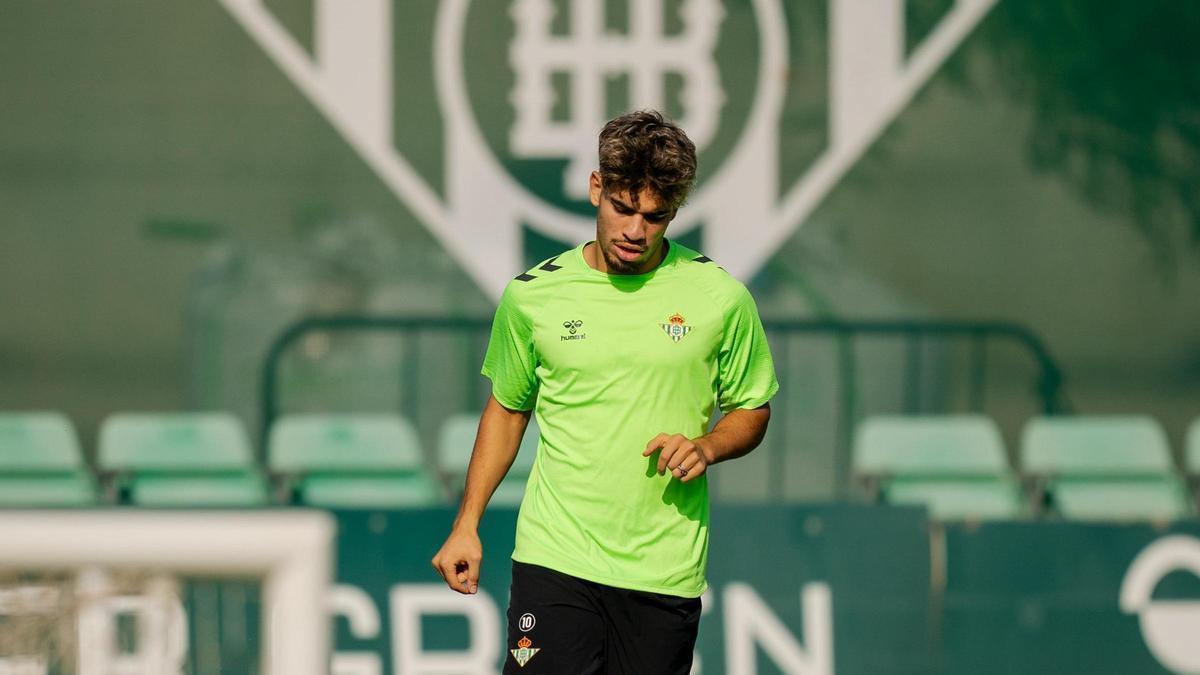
291 550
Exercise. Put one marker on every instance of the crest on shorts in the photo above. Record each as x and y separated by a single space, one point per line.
675 327
524 651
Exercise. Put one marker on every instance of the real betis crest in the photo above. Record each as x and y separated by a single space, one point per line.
507 141
675 328
524 651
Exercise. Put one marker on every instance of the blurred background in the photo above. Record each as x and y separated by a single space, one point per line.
981 215
173 201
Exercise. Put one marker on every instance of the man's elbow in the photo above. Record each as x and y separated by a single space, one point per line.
764 418
756 420
761 415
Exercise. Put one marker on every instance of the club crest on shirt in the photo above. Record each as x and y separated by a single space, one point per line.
524 651
675 327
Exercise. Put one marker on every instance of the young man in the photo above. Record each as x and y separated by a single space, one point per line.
622 346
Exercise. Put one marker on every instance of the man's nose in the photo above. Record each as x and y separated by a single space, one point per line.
635 227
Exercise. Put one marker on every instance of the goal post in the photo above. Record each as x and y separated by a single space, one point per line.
290 551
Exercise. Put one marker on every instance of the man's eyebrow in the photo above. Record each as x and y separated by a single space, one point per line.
618 202
660 213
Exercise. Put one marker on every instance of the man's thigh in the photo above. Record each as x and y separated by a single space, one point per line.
649 633
554 625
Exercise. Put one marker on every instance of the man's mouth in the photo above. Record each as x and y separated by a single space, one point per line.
628 253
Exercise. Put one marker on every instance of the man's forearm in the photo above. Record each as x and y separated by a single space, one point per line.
736 434
496 445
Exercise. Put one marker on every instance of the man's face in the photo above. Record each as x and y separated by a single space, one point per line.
629 232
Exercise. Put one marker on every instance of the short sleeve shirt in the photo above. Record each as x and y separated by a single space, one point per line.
608 362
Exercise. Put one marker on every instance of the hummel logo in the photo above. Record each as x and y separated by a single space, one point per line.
573 328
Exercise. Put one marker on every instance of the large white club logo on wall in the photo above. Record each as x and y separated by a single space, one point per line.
745 211
591 55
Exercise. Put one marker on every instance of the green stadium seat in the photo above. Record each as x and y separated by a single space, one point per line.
37 441
353 460
953 464
41 463
233 488
963 497
181 459
76 488
371 491
1130 498
1105 468
454 455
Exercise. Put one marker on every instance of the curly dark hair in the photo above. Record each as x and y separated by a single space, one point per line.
644 149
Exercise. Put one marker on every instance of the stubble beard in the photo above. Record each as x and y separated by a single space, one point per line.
615 264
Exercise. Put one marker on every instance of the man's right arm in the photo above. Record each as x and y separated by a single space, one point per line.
496 445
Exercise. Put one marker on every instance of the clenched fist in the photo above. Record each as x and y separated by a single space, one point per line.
458 561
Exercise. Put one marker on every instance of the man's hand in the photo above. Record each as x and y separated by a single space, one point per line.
458 561
680 455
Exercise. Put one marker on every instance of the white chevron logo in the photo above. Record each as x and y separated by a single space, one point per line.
350 80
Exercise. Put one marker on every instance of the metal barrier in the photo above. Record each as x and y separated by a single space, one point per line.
784 336
914 335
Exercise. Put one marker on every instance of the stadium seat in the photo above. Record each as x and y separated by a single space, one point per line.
454 455
1104 468
352 460
41 463
181 459
953 464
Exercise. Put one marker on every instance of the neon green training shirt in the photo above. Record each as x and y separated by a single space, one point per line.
608 362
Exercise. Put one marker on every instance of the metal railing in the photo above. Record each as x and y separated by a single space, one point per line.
914 336
916 381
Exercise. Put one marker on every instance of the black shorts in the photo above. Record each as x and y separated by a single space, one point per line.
563 625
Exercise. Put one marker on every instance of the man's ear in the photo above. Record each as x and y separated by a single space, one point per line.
595 188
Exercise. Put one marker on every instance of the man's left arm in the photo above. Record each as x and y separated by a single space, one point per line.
735 434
